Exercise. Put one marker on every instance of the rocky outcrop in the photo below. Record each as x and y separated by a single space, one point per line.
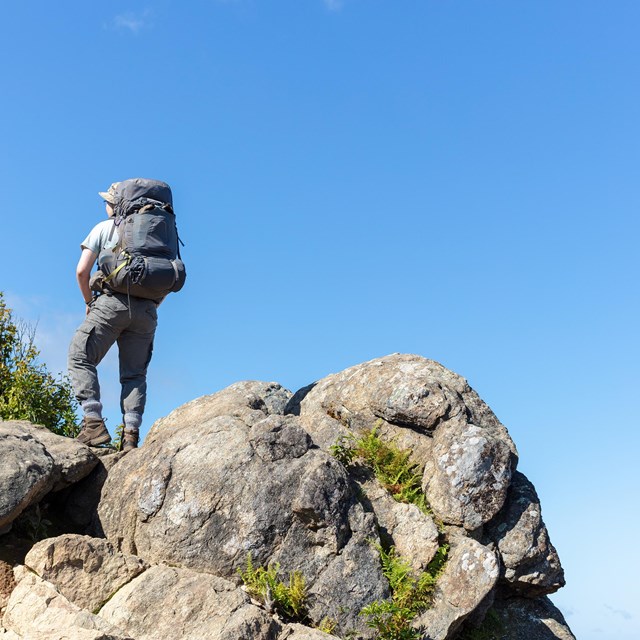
35 462
249 472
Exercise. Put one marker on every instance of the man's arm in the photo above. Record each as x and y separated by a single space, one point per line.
83 273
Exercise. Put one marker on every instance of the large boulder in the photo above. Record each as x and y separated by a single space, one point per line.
169 602
226 476
467 453
36 461
36 609
530 563
87 571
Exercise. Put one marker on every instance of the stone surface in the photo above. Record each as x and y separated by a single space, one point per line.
169 602
413 533
300 632
467 477
531 565
87 571
531 619
34 462
222 478
80 501
37 610
7 584
467 582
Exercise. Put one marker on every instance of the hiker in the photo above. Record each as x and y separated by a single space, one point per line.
138 265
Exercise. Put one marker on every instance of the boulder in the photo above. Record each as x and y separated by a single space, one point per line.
467 583
169 602
87 571
530 563
467 453
7 584
300 632
224 477
467 477
36 461
413 533
531 619
36 609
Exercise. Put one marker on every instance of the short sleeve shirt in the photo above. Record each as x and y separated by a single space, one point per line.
102 236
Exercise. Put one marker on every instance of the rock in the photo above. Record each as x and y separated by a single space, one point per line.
7 584
169 602
80 502
219 479
36 461
87 571
531 619
531 565
468 474
468 580
401 389
300 632
413 533
37 610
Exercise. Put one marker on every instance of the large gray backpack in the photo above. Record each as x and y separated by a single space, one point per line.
146 261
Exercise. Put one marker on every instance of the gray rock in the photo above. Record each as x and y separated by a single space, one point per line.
413 533
400 389
531 619
468 475
531 566
34 462
87 571
300 632
467 582
80 501
37 610
169 602
219 479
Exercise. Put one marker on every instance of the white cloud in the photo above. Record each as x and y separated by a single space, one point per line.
619 612
132 21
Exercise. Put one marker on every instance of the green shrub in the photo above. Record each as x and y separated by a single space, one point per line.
410 595
27 390
264 584
391 465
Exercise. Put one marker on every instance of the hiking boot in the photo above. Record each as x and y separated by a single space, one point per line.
93 432
130 440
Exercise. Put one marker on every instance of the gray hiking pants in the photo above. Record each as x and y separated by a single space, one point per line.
132 323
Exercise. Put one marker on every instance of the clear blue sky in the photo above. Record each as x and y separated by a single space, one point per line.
457 179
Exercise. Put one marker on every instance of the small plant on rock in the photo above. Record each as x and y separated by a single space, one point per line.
264 584
410 595
391 465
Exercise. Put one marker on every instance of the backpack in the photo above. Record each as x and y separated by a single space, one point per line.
146 262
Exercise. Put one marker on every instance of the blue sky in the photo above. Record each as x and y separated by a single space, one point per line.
457 179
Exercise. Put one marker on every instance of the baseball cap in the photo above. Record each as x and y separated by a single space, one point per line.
110 194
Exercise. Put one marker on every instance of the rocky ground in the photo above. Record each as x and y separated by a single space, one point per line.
97 545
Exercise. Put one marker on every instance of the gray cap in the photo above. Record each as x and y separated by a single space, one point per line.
110 194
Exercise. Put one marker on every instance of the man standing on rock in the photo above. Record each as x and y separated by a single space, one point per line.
139 264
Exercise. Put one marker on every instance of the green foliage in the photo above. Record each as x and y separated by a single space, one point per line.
327 625
118 439
27 390
390 464
263 583
491 628
410 595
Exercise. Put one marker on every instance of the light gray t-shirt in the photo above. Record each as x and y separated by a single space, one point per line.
103 236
